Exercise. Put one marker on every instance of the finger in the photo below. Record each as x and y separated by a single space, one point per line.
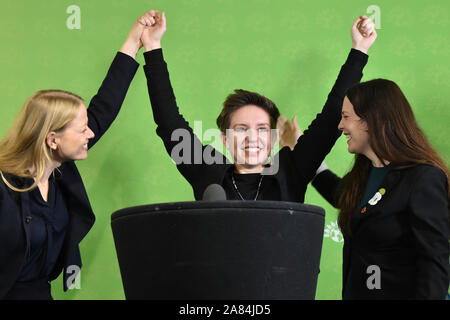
297 127
163 20
279 122
280 126
293 122
146 15
141 20
363 20
370 31
281 129
366 27
153 13
281 119
356 22
149 20
366 23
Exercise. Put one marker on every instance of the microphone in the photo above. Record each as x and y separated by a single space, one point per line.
214 192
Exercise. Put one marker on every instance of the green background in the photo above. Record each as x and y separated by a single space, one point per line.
288 50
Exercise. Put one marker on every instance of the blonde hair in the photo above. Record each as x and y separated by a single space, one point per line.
24 146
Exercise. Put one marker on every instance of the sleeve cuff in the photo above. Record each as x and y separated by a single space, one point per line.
126 58
357 58
153 56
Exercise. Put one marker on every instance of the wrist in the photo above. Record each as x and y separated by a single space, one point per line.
152 45
359 47
130 48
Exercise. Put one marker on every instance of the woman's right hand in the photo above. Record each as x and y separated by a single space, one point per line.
363 34
155 27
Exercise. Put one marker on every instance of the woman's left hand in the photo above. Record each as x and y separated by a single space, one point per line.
289 131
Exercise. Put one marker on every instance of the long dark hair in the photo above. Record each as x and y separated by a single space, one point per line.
394 136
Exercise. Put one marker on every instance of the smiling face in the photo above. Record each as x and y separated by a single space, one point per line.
71 142
355 129
249 139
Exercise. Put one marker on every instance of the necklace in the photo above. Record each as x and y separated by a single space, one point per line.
237 190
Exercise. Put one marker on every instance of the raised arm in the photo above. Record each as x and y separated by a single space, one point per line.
106 104
322 133
179 140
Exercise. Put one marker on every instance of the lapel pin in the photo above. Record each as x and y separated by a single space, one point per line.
377 197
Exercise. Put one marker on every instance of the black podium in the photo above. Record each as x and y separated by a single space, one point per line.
208 250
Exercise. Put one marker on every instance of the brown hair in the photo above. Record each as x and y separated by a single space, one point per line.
394 136
241 98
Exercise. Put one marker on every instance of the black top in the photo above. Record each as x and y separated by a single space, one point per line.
376 176
46 224
405 233
292 170
247 185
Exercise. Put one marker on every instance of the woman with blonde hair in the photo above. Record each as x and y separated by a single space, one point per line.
44 208
30 149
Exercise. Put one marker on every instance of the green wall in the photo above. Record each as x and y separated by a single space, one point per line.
288 50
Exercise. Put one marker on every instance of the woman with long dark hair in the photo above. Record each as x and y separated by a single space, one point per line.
394 202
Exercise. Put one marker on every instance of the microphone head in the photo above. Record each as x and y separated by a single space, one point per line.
214 192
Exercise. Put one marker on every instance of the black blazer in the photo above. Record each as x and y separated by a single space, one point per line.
295 168
405 234
102 111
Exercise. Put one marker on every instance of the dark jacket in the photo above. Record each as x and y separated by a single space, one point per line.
295 168
405 234
102 111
